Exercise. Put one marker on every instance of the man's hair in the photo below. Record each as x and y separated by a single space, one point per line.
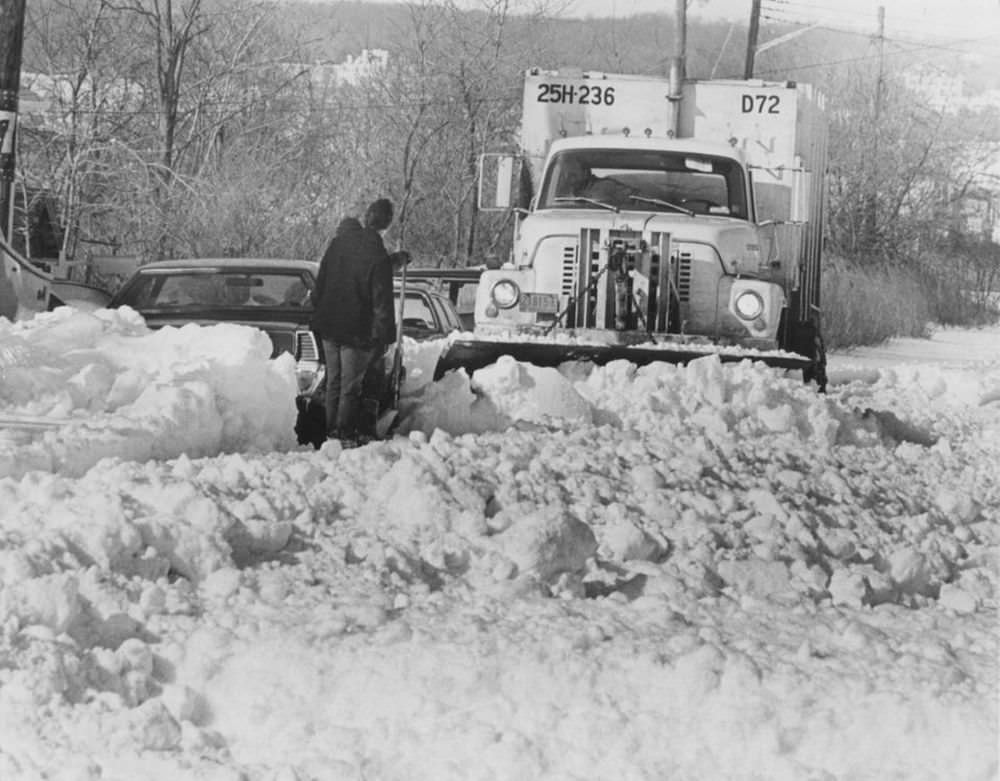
379 214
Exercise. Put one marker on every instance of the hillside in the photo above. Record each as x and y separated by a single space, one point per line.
640 44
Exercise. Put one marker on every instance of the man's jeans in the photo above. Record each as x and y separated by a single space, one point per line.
345 377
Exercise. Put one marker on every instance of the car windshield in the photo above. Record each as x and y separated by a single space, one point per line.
211 288
650 180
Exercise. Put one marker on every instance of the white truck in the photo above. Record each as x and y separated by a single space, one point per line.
656 221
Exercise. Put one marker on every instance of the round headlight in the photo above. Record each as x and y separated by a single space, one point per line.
749 305
505 293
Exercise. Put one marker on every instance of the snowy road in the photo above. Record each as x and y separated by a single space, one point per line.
657 573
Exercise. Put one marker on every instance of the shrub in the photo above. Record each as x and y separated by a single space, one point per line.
865 305
962 282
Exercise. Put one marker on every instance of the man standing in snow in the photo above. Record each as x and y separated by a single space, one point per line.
354 316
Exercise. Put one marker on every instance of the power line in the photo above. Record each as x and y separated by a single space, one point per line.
777 5
901 50
912 21
913 46
824 64
952 46
788 16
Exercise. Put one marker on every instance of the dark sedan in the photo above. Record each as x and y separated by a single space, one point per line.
274 295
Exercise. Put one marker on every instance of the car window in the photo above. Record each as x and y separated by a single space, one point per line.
445 313
417 313
214 288
448 314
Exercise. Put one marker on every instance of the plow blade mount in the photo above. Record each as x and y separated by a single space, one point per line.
473 354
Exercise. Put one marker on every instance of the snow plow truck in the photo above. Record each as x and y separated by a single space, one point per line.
656 220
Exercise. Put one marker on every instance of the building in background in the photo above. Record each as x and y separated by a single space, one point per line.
325 76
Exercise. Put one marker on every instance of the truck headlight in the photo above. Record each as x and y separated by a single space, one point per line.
749 305
505 293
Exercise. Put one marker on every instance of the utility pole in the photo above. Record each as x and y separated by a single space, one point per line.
680 57
11 42
871 207
752 39
880 84
678 65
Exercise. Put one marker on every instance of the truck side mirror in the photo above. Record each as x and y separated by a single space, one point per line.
499 182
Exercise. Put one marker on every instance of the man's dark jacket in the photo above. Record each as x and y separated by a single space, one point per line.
354 301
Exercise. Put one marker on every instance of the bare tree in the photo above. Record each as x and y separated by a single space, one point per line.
72 65
897 175
169 84
451 92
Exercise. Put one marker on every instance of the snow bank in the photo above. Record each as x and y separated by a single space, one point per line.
104 385
663 572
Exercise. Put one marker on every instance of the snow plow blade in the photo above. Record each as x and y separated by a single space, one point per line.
472 354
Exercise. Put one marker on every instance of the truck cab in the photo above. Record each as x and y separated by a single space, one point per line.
632 236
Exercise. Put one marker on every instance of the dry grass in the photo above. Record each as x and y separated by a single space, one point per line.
867 305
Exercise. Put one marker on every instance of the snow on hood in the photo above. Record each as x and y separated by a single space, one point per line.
707 571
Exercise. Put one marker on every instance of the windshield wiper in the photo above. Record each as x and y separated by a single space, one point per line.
658 202
583 199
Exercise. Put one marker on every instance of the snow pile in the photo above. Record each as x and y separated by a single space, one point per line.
663 572
658 400
108 386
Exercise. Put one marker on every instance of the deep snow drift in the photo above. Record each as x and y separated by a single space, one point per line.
665 572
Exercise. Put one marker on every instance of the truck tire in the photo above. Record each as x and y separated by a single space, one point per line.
805 339
817 369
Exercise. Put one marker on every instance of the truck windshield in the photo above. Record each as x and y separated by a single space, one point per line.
649 180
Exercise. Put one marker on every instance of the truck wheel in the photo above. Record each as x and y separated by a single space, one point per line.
816 370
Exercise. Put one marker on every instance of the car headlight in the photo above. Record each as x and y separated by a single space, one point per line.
749 305
505 293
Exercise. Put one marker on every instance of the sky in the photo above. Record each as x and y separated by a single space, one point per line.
708 571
